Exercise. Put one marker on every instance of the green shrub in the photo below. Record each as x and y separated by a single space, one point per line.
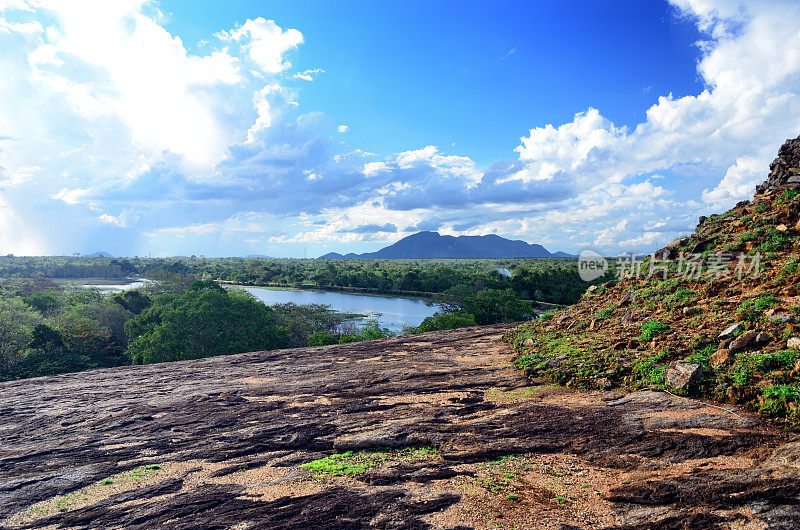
651 328
789 270
648 371
370 331
525 360
680 297
750 235
322 338
787 195
748 364
777 399
204 321
445 321
547 315
702 357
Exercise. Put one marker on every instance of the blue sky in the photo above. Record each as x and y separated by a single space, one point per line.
474 74
292 128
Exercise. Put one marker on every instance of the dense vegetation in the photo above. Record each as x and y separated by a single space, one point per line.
49 326
544 280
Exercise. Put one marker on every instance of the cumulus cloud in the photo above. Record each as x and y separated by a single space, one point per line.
266 42
595 180
109 123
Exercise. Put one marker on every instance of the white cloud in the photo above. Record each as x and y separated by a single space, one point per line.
508 54
309 75
108 122
268 43
139 74
95 94
373 168
548 150
731 130
737 183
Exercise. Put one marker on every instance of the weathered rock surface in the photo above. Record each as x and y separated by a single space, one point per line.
230 433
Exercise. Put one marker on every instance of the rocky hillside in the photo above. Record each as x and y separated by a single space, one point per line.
714 314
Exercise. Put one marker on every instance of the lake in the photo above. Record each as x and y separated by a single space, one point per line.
111 287
392 313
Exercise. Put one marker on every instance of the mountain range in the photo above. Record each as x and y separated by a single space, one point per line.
425 245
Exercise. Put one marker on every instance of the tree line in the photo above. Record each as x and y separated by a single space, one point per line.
545 280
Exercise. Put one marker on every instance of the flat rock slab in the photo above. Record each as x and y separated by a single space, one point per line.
219 443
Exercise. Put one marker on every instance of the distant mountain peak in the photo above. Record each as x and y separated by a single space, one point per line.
431 245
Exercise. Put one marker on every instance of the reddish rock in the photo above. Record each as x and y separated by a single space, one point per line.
720 357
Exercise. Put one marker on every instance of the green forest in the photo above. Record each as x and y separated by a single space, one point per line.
51 324
552 281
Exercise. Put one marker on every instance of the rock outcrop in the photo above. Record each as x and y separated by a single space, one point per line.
784 172
221 443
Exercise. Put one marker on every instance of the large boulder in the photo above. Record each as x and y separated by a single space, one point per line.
743 341
683 375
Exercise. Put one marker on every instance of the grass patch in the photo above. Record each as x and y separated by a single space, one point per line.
525 360
547 315
748 364
750 235
651 329
703 356
775 240
502 460
648 371
517 394
680 297
604 313
352 463
89 494
777 399
787 195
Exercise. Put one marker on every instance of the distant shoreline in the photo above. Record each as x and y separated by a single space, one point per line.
412 295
